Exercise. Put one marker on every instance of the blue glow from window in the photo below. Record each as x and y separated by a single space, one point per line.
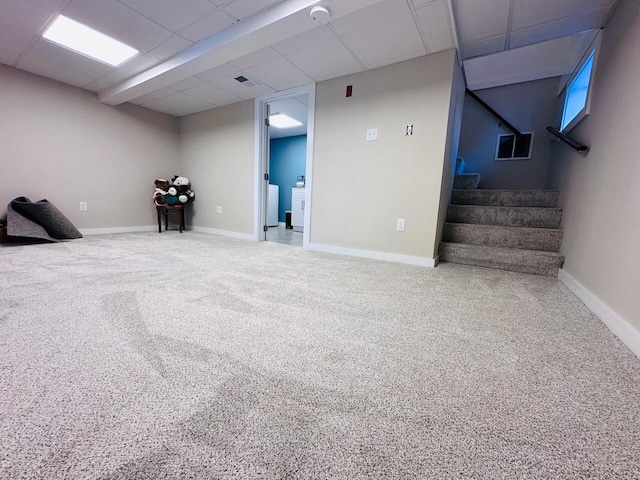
576 99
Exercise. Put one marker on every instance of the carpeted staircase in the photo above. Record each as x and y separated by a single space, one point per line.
514 230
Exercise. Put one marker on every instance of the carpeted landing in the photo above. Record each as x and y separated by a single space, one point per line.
147 356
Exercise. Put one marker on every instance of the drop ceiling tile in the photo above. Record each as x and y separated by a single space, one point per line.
230 85
435 21
186 84
171 14
207 26
20 13
155 95
371 17
14 41
476 23
208 92
376 46
560 27
327 60
75 77
305 40
136 65
53 5
118 21
422 3
244 8
61 57
179 104
484 47
217 72
170 47
279 74
254 59
527 13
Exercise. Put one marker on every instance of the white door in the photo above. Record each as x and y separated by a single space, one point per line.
297 208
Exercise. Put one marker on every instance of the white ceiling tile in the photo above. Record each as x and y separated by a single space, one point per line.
305 40
557 28
279 74
244 8
170 47
118 21
155 95
14 41
171 14
368 18
422 3
254 59
527 13
53 5
218 3
327 60
208 92
484 47
20 13
477 22
76 76
179 104
244 92
224 70
207 26
137 64
51 53
186 84
398 40
435 21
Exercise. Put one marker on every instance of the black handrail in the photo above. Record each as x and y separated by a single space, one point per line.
577 146
494 113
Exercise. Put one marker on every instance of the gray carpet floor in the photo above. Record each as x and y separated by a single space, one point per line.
153 356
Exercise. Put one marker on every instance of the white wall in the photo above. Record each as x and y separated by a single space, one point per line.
58 142
529 106
361 188
600 191
217 154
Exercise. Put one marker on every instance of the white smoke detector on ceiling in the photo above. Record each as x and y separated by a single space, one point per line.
320 14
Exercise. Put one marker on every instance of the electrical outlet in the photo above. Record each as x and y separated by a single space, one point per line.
409 130
219 209
83 206
400 224
372 134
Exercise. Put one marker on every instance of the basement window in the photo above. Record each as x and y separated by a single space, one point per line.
576 100
511 147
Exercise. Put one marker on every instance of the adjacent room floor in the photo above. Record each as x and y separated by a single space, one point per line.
189 355
281 234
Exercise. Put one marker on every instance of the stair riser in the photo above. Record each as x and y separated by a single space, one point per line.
467 181
505 216
523 238
506 198
523 261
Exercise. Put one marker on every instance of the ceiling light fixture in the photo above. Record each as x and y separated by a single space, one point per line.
280 120
84 40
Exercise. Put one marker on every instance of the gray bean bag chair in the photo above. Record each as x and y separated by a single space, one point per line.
39 220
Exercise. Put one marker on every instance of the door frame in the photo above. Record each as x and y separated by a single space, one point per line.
260 190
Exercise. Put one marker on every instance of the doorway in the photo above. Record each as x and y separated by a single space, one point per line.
283 177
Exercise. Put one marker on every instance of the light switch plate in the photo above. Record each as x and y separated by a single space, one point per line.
219 209
372 134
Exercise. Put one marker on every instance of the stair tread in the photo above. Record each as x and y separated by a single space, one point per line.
497 227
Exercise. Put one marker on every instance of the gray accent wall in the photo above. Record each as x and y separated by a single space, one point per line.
58 142
600 191
528 106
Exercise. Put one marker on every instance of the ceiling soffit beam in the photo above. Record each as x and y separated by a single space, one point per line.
278 23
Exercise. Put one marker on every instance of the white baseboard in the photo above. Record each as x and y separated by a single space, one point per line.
104 231
224 233
618 325
282 224
389 257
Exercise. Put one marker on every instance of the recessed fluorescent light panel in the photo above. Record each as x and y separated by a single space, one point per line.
82 39
280 120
